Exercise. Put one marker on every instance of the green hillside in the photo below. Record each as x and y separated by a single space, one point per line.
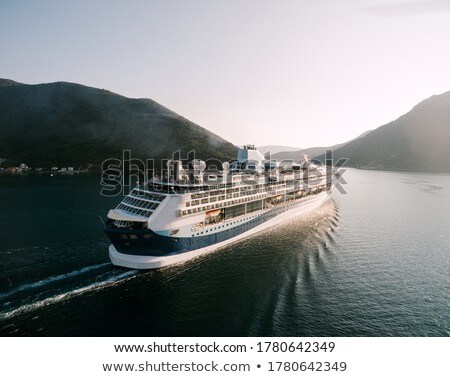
311 152
65 124
418 140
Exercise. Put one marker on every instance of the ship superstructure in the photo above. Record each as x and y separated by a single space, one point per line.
192 210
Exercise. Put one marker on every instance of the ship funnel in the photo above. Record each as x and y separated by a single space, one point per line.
249 157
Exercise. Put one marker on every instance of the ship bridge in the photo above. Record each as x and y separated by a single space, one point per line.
137 206
248 158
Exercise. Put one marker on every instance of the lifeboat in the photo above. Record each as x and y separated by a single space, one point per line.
214 212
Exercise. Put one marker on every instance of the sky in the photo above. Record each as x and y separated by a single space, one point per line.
285 72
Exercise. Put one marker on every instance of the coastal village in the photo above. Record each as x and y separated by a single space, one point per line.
23 168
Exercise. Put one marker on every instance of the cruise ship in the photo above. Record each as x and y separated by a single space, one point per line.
191 210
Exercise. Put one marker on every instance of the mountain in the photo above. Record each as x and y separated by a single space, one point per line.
298 155
276 149
66 124
418 140
310 152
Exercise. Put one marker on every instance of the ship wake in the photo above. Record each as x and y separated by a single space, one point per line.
102 281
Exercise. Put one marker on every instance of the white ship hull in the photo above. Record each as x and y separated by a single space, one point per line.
152 262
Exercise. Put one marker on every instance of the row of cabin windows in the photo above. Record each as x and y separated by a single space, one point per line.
195 210
233 223
252 192
215 206
234 192
264 217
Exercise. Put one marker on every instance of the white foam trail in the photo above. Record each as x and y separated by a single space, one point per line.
51 279
64 296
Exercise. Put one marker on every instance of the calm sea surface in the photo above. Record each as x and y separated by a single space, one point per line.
373 262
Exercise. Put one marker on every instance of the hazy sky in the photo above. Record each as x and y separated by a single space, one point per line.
299 73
